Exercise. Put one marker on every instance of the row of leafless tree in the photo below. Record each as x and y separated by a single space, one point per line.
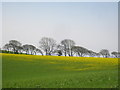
48 46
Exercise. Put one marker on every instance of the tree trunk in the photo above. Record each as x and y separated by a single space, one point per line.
42 54
71 53
46 52
35 53
65 52
31 52
26 53
13 49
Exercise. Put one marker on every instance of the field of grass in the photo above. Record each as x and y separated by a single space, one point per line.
31 71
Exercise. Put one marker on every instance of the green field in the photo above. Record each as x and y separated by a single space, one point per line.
34 71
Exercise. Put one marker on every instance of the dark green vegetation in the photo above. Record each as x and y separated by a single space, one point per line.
31 71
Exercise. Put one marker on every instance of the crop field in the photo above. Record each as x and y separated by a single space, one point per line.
35 71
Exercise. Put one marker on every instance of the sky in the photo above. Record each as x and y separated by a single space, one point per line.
93 25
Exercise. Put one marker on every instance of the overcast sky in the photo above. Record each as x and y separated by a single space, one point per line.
89 24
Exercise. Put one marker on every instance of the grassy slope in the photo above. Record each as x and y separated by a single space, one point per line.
30 71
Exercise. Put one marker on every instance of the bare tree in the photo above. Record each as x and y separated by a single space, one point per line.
38 51
105 53
98 54
20 49
92 53
48 45
67 46
116 54
7 47
32 49
14 44
29 49
58 52
26 48
80 51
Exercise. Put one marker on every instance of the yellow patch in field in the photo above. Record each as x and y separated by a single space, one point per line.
52 62
76 69
81 69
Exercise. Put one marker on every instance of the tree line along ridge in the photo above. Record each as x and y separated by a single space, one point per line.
48 46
